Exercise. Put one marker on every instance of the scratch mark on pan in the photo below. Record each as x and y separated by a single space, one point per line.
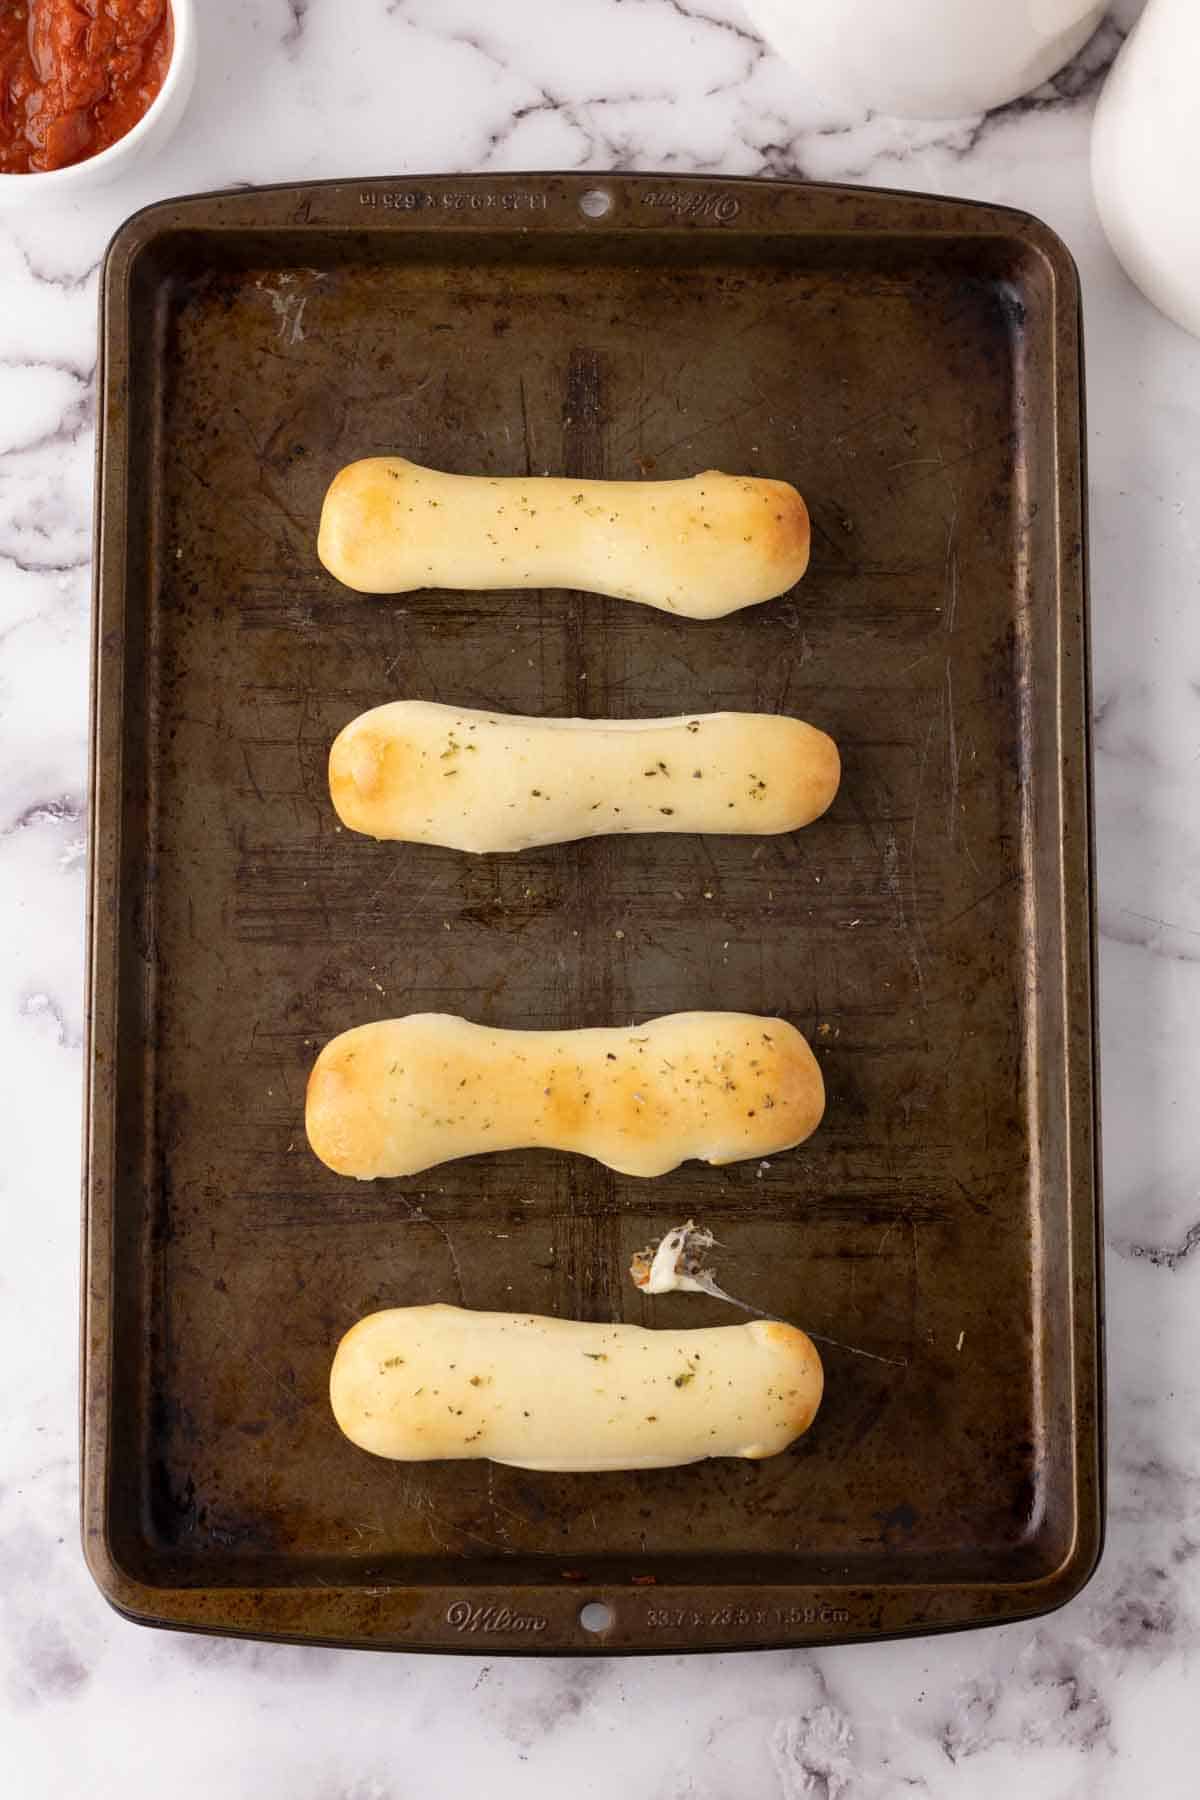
893 887
430 686
419 1216
951 612
491 1496
473 690
525 429
954 759
251 438
915 1281
941 463
839 550
283 1077
711 860
683 955
302 716
293 1393
392 875
997 888
397 869
916 935
908 668
708 425
867 823
888 1230
424 1505
267 489
498 1506
977 1206
893 409
916 818
951 760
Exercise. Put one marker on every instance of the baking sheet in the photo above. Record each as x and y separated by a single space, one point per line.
913 366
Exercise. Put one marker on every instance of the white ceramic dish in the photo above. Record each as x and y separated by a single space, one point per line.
1146 159
150 133
926 59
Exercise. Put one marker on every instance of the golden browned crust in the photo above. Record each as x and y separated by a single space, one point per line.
775 516
793 541
366 769
359 508
401 1095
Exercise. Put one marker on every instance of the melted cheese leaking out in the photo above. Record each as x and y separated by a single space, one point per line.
656 1270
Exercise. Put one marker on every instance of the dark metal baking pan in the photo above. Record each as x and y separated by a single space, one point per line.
913 365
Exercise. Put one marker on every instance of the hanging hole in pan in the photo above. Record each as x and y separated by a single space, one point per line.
596 1616
596 203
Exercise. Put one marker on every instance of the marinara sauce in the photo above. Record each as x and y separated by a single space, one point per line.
76 75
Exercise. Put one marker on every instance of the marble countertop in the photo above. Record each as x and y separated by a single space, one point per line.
1098 1700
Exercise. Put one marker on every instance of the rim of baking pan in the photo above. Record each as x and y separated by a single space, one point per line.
593 1615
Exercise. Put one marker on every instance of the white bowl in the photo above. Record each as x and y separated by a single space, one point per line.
150 133
926 59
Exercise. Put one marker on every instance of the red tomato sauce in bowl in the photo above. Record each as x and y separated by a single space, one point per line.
75 76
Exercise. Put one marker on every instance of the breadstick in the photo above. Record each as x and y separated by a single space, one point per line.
701 547
479 781
420 1383
401 1095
